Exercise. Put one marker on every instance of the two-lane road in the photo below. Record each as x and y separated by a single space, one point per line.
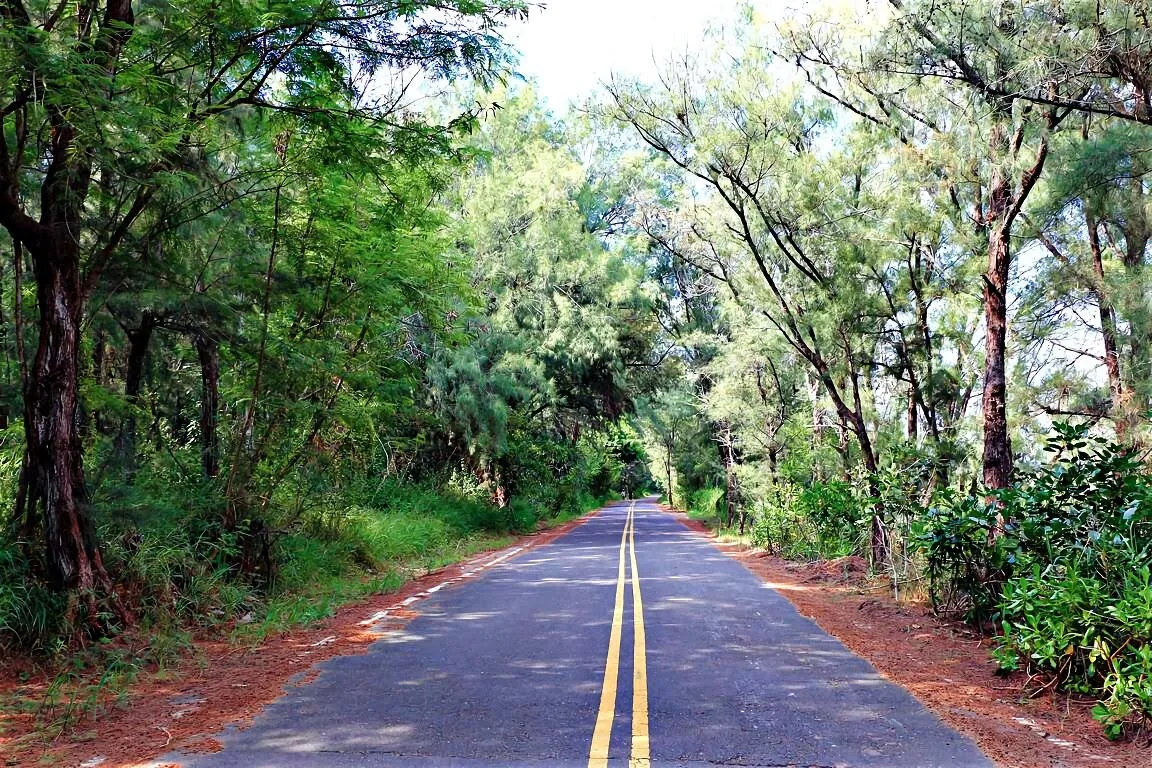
561 656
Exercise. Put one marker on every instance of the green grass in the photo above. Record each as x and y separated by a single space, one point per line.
371 551
315 581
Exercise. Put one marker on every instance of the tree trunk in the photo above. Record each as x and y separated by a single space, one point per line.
55 476
100 377
209 353
912 419
52 485
1120 410
844 451
1136 236
878 536
728 455
1006 196
852 418
139 339
997 459
1137 233
997 448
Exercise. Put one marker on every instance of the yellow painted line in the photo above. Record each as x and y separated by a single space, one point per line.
602 735
640 753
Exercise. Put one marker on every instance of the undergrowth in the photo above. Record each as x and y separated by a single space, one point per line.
1059 565
178 574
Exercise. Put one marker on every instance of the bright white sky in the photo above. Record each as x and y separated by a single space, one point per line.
571 46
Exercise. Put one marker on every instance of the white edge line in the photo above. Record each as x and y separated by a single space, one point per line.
381 615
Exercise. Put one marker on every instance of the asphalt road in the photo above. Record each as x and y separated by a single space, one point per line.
549 659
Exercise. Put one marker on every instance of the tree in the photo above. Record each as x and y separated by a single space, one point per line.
558 320
665 419
170 80
894 85
1092 221
755 151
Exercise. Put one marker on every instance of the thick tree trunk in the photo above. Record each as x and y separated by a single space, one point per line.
1006 196
208 352
997 448
52 491
55 475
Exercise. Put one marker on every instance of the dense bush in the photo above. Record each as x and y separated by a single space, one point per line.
821 520
1078 535
965 567
180 570
708 504
1089 632
1061 562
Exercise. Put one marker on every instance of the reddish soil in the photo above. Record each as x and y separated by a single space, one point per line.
224 684
943 663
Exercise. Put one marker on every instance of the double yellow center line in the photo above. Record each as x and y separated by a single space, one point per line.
602 735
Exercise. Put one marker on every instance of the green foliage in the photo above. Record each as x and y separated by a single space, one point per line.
1060 563
708 504
31 615
1079 603
965 564
1086 632
819 274
403 373
330 341
822 520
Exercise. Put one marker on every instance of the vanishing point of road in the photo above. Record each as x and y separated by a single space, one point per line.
630 641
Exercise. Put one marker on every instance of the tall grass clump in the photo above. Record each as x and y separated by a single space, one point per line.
31 615
707 504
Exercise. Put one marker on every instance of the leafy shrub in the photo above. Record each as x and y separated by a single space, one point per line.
524 514
965 563
1065 571
1089 633
822 520
1093 495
